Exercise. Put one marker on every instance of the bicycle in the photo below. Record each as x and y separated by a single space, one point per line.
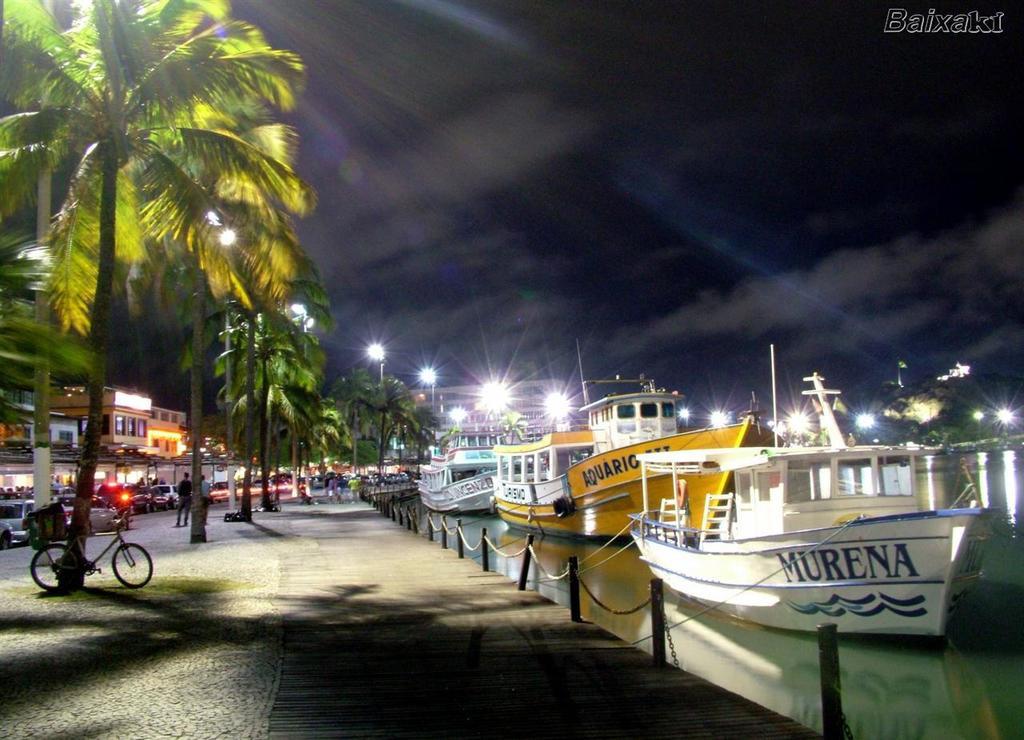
132 565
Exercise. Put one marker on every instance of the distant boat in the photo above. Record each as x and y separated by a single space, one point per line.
462 478
587 483
801 536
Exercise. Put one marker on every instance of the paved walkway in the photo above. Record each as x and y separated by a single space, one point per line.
329 621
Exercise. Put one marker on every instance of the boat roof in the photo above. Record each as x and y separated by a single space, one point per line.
554 439
736 458
634 396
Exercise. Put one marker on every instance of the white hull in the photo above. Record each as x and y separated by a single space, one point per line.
885 575
469 494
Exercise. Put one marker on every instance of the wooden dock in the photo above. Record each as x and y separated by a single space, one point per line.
387 635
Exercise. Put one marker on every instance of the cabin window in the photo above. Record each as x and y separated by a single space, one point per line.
626 412
545 466
517 468
854 478
580 454
896 474
649 410
743 490
530 470
668 410
564 460
799 483
119 425
808 481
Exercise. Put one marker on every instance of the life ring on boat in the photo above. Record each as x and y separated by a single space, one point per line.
682 497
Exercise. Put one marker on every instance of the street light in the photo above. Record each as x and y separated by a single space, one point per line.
428 376
494 396
865 421
719 418
556 405
684 414
376 353
458 415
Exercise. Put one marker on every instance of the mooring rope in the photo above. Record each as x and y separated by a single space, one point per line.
610 541
607 608
543 570
618 552
502 552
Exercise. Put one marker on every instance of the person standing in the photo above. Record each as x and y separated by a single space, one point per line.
204 488
184 499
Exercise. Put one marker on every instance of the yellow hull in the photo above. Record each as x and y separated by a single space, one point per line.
606 488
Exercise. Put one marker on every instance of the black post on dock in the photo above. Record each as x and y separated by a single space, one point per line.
392 506
408 518
658 622
485 554
458 536
831 693
430 527
401 516
574 588
444 532
526 563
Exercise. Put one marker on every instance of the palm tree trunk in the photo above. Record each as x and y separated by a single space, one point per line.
250 413
264 434
355 436
198 532
99 338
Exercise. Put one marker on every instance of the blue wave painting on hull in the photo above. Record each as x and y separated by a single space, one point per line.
866 606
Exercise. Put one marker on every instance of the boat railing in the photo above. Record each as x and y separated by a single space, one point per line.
674 533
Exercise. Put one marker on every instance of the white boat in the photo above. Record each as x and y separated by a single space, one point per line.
802 536
461 479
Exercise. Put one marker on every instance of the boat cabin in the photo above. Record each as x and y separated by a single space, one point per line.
620 420
776 490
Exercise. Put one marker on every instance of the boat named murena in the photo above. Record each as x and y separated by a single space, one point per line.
806 535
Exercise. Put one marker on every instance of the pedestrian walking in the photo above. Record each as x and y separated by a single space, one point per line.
332 489
204 488
184 500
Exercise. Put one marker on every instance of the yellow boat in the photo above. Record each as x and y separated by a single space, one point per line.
587 483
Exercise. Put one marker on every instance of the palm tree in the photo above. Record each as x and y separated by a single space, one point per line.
121 82
24 343
354 395
394 406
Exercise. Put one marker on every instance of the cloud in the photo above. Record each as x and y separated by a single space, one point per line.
959 291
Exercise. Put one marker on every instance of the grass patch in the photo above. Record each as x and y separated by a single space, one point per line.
186 585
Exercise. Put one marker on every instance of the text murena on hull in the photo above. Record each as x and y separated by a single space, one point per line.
805 535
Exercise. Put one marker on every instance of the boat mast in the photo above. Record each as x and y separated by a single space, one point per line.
828 419
775 405
579 362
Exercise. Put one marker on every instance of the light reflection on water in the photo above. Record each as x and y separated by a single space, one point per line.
892 688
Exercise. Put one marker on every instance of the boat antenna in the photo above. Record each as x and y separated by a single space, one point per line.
775 405
579 361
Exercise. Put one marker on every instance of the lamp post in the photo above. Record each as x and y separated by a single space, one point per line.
428 376
227 238
376 353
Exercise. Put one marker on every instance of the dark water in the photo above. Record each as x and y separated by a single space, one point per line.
970 686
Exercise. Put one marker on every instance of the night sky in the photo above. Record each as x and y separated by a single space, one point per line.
677 185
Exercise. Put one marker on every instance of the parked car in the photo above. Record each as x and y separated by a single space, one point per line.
219 491
101 516
142 500
118 496
13 529
165 495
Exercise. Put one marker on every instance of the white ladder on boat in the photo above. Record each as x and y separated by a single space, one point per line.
717 515
670 513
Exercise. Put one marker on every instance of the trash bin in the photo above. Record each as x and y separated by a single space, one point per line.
47 525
